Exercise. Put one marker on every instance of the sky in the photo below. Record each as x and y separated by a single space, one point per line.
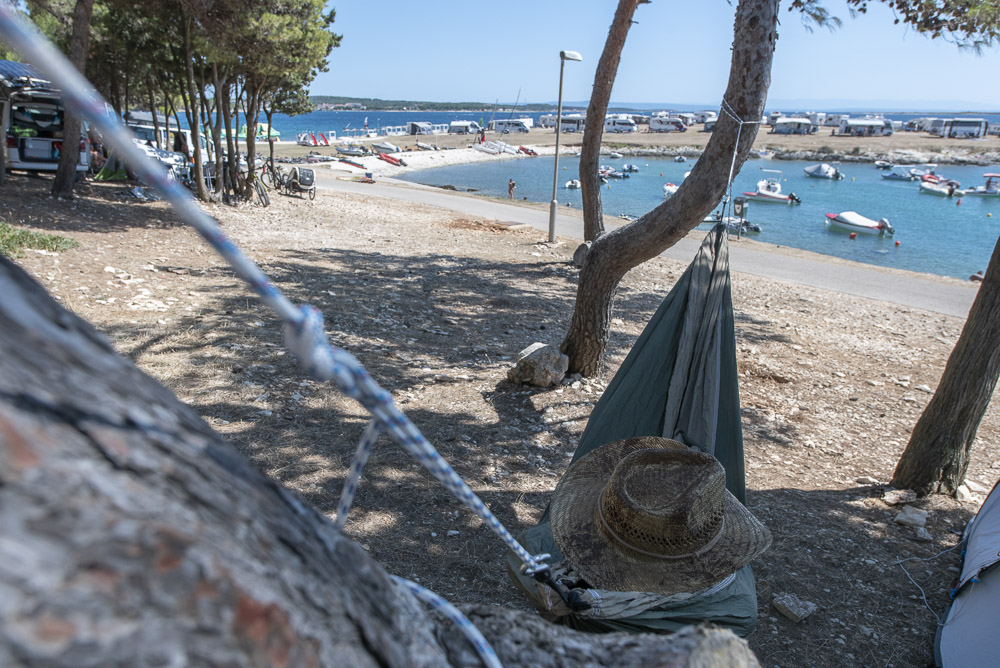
677 53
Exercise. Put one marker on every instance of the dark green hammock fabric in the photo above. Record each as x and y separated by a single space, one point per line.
679 381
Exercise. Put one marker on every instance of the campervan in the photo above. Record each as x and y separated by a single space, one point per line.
33 115
464 128
572 123
666 124
619 123
505 126
419 128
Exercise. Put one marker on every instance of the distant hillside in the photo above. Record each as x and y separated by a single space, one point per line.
334 101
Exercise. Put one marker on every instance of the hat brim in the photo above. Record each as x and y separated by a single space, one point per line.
606 564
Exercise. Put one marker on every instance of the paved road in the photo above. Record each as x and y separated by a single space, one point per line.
911 290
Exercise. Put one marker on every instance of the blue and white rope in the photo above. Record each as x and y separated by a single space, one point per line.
354 474
728 110
486 652
304 331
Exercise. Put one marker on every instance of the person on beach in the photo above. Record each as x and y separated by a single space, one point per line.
510 189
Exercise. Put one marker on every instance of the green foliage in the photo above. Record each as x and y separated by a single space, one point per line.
13 240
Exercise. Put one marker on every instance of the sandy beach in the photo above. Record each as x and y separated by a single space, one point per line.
438 304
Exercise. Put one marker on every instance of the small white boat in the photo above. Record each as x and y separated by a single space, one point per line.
852 221
615 156
669 189
680 158
573 184
990 189
733 223
883 164
945 188
425 147
351 150
900 173
824 170
502 147
485 149
385 147
627 167
769 190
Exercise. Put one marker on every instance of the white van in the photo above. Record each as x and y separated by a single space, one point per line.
666 124
464 128
505 126
33 114
620 123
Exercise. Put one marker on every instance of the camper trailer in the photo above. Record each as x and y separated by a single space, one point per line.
464 128
619 123
512 125
33 116
419 128
663 122
793 125
572 123
704 116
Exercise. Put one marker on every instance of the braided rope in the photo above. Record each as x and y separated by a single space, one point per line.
482 646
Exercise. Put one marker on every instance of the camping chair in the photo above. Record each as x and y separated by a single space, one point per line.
679 381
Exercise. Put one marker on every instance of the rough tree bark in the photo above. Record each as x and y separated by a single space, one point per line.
590 151
132 534
69 154
618 251
937 457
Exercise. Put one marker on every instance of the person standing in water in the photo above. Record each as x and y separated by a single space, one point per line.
510 189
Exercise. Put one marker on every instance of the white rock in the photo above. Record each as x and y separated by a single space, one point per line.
923 388
911 517
539 364
963 495
866 480
894 497
975 487
793 607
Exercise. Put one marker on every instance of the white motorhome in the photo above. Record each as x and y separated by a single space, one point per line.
572 123
33 114
965 128
685 117
817 117
789 125
509 125
620 123
663 123
464 128
704 116
547 121
865 127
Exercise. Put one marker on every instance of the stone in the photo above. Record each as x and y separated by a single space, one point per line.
793 607
866 480
895 497
976 487
923 535
539 364
963 495
911 517
923 388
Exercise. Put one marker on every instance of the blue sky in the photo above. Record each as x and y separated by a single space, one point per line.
677 53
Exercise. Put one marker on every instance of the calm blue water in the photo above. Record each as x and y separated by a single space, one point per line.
935 234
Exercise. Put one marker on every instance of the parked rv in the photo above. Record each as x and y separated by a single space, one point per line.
666 124
508 125
33 115
572 123
464 128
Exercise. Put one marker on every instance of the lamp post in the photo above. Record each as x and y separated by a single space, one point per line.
563 57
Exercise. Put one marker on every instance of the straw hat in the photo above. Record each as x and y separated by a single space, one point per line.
652 515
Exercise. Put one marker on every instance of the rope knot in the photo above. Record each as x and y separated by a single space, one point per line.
306 338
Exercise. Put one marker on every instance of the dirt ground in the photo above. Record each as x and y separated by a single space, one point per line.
437 308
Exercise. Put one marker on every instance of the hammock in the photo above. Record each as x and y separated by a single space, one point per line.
679 381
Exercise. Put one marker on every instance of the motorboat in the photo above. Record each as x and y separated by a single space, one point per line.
990 189
615 156
425 147
680 158
883 164
351 150
824 170
527 151
573 184
919 173
385 147
943 188
502 147
769 189
628 167
484 148
669 189
899 173
392 160
852 221
609 172
733 223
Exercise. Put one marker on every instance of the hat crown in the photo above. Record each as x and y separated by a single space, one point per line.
664 503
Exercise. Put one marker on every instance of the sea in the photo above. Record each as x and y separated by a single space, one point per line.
936 235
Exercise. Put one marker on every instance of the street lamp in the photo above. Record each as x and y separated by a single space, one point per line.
563 57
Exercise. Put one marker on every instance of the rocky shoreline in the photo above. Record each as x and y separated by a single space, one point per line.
897 157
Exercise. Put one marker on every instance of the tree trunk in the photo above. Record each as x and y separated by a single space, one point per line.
156 120
69 154
614 253
134 535
590 151
194 118
937 456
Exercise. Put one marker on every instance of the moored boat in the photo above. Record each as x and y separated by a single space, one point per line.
385 147
899 173
485 149
883 164
852 221
425 147
352 149
669 189
990 189
769 190
824 170
573 184
628 167
943 188
680 158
